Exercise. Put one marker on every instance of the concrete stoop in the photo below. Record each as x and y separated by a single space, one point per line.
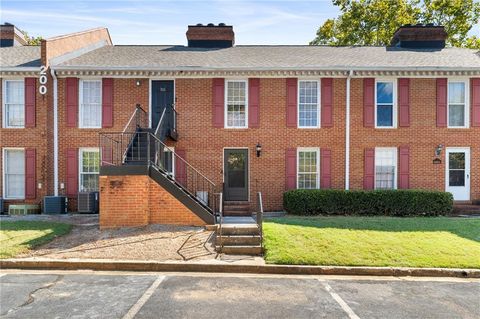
239 239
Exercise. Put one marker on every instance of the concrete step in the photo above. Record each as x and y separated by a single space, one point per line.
236 213
241 250
239 240
236 207
241 229
236 202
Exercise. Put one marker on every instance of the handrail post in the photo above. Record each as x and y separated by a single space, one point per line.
148 150
260 216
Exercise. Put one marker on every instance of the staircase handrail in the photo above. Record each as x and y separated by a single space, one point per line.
160 122
136 114
260 215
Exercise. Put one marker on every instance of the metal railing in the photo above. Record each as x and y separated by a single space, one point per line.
259 216
220 222
167 125
144 148
138 119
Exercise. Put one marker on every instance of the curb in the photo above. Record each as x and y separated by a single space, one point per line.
115 265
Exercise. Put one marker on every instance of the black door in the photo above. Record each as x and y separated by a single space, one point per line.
236 174
162 95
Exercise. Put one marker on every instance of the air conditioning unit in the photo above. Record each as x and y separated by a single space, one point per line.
23 209
55 205
88 202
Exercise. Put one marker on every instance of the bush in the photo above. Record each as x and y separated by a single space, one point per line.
377 202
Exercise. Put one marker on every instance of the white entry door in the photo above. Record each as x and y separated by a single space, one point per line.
458 172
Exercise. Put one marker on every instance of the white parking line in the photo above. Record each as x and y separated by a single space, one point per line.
340 301
144 298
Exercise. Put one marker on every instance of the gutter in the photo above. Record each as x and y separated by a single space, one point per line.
55 132
347 132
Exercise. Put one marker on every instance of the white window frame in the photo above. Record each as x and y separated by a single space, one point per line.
80 157
395 102
395 178
318 104
172 151
226 103
4 170
80 102
308 149
4 102
467 101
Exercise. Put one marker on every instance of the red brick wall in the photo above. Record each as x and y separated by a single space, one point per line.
40 138
126 95
204 144
137 200
422 136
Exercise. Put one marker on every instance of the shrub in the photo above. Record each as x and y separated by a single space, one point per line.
377 202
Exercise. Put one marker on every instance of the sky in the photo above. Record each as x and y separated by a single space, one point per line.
165 22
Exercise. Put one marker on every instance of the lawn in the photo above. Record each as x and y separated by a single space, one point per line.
373 241
19 236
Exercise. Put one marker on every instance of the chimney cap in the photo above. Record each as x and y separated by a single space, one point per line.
420 36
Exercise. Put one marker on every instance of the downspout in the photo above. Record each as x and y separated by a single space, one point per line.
55 132
347 132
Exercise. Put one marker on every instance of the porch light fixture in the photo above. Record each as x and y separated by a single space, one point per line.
438 150
258 148
139 82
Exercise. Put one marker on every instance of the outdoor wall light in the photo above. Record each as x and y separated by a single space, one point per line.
139 82
438 150
258 148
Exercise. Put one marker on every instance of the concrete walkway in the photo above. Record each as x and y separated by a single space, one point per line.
87 294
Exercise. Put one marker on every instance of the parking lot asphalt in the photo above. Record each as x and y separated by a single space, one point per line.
88 294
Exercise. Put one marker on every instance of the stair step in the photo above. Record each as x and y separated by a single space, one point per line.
236 202
237 214
236 207
241 250
247 229
239 240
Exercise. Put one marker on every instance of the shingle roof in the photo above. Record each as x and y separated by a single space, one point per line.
274 57
20 56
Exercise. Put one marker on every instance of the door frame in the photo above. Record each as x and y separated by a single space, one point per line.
467 152
248 166
150 80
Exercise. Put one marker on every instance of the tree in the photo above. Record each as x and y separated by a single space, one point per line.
373 22
31 40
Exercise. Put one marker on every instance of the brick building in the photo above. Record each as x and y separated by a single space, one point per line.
160 131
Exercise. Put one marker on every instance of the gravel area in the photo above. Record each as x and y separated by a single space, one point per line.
153 242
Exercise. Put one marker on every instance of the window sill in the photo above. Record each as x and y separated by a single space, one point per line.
236 127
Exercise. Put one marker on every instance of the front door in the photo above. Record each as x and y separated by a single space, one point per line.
236 174
162 95
458 172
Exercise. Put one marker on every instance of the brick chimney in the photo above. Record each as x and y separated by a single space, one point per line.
11 36
419 36
210 36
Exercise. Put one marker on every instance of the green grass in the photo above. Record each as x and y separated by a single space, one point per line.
373 241
17 237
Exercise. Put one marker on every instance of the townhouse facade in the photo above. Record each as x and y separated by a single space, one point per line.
237 120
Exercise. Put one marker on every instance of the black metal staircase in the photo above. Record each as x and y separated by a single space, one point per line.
141 150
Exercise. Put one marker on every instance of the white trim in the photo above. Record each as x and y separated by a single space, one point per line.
225 103
55 132
466 81
4 106
395 178
4 189
347 133
308 149
80 102
150 80
80 157
171 149
248 166
318 103
394 102
468 167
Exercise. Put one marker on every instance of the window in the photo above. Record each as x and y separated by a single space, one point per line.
90 103
385 168
169 161
385 112
308 168
89 169
14 173
14 104
457 104
308 104
236 104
